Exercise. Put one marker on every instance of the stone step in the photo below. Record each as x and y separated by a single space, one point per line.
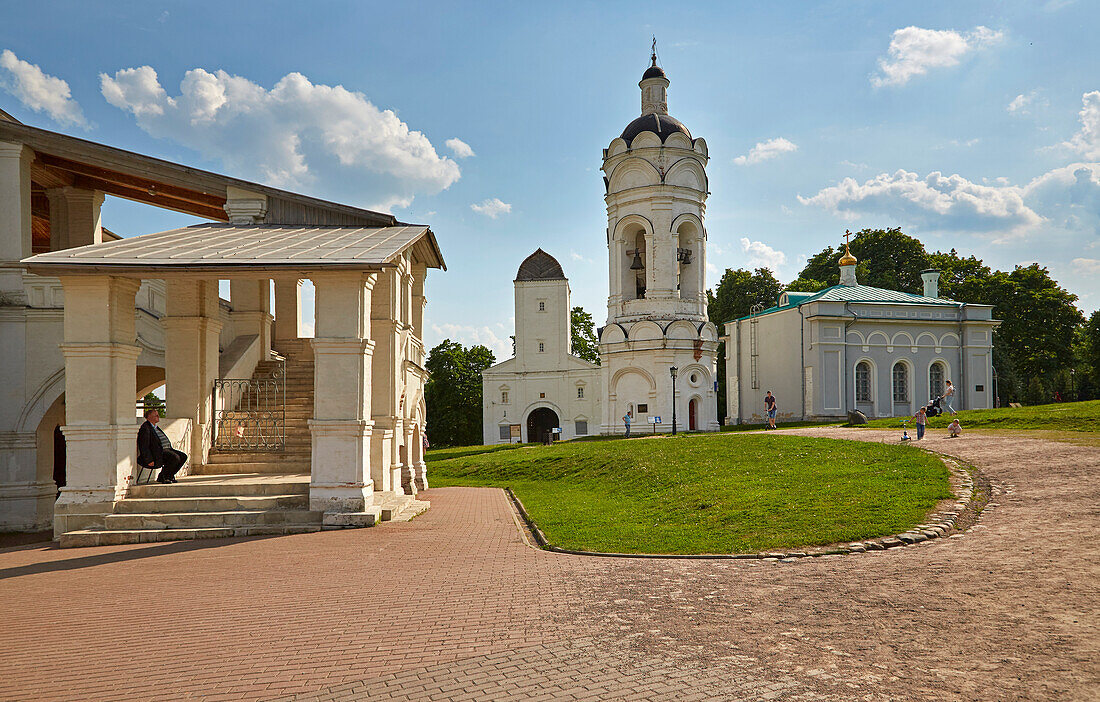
231 484
206 520
272 468
219 503
105 537
246 456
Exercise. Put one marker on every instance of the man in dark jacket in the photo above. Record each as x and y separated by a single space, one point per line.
155 450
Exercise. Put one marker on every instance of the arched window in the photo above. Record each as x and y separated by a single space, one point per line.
863 382
900 376
935 379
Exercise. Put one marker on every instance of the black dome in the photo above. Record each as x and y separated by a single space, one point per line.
653 72
540 266
663 126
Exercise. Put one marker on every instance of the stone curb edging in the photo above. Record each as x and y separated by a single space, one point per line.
938 525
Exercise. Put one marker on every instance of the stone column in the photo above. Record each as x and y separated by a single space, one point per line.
15 219
74 217
341 484
191 358
419 302
662 264
20 489
408 475
251 301
288 308
386 382
100 386
420 465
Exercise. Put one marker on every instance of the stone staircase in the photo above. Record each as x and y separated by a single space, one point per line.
239 493
295 457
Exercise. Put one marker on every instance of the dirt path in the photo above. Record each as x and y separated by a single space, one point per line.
454 605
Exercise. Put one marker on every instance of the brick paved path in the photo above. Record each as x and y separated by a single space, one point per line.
454 605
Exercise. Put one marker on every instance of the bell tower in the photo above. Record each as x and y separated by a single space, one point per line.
655 191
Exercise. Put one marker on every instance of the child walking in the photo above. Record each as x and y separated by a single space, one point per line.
920 418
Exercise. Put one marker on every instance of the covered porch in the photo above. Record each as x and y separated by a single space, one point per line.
343 410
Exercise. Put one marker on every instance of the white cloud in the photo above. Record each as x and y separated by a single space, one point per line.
297 134
460 148
1068 196
936 200
913 51
1022 103
853 164
1087 141
765 150
760 255
578 257
492 207
39 91
472 335
1086 266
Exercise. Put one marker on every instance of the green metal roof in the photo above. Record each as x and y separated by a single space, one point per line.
855 293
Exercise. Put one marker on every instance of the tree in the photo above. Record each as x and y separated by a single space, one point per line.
152 402
453 393
888 258
737 292
583 332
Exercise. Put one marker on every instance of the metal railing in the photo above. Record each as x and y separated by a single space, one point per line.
250 414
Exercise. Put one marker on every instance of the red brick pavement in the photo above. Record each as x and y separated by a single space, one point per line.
454 605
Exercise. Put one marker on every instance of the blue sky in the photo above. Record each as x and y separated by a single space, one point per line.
970 125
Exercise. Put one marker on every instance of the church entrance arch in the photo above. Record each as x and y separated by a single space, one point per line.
693 413
540 423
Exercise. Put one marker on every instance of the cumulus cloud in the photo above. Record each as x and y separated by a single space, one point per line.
39 91
1068 196
760 255
472 335
459 148
914 51
936 200
1087 141
297 134
491 208
765 150
1086 266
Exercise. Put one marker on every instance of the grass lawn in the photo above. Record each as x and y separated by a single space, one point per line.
708 493
1062 417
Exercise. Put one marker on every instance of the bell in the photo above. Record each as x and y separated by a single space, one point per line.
637 263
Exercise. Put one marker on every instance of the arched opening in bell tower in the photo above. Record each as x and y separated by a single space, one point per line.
633 263
688 262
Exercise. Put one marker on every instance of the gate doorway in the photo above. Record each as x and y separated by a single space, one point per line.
692 411
540 423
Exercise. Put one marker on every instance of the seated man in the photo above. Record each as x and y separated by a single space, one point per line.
155 450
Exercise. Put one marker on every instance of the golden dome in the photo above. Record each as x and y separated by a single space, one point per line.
847 259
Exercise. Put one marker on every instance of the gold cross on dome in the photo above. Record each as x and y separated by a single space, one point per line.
847 233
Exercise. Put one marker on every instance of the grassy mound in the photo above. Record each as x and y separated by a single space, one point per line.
708 493
1065 416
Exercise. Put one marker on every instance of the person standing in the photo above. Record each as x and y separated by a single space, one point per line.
155 449
920 418
626 421
949 397
769 408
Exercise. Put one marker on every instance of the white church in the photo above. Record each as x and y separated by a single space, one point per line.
657 335
849 347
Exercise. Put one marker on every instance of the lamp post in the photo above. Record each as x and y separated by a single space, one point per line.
672 372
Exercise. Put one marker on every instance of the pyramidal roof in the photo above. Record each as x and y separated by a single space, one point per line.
540 266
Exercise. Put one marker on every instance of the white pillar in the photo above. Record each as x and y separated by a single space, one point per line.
408 475
21 490
191 358
15 218
100 395
661 262
288 308
251 301
419 302
385 382
420 465
74 217
341 484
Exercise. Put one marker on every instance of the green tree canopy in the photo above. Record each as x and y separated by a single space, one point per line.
738 291
453 393
888 258
583 331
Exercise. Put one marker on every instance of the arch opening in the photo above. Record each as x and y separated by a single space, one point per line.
541 423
